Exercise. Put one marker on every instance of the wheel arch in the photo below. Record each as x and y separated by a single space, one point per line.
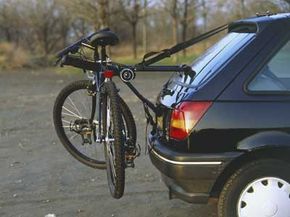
266 139
262 152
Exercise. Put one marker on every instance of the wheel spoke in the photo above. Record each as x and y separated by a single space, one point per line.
71 115
82 102
248 198
74 106
272 183
286 189
65 121
112 157
73 136
71 112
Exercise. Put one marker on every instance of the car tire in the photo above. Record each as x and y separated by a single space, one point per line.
260 188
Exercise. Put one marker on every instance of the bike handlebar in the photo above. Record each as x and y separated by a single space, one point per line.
116 67
77 62
70 49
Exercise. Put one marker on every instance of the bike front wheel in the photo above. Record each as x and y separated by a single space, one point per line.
114 141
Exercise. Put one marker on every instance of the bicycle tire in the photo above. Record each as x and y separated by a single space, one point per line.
57 113
114 150
129 124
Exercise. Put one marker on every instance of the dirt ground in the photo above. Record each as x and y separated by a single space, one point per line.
37 175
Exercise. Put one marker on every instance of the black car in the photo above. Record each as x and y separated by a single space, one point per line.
224 133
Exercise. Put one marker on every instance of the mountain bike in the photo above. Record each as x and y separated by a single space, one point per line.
92 121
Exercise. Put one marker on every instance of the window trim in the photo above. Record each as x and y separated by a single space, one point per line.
260 67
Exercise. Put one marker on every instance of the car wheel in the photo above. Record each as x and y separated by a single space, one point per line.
258 189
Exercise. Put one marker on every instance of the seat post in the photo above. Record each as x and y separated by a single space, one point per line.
103 53
96 54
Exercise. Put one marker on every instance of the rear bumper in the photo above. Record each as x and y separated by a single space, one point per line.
189 176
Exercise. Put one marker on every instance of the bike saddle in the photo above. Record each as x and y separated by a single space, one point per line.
104 38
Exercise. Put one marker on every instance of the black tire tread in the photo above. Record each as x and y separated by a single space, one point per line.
117 189
130 121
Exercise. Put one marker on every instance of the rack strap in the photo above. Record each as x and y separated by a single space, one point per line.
157 56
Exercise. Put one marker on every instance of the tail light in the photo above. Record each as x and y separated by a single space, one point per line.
184 118
108 74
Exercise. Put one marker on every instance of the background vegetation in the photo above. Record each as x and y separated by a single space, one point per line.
32 31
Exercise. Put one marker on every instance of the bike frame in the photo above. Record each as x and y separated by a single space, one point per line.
99 77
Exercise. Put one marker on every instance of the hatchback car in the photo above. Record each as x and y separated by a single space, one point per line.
224 132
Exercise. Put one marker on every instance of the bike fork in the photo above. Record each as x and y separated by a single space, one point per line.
96 103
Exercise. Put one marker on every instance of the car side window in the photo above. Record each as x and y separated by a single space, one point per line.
275 75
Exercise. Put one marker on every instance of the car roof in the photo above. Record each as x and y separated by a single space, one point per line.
260 22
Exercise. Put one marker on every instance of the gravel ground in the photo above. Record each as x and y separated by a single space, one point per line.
38 177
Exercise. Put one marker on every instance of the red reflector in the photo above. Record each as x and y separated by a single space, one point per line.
184 118
108 74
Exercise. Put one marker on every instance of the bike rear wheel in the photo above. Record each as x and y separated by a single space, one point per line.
72 115
114 141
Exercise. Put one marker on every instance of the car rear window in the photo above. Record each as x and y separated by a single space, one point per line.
216 56
274 77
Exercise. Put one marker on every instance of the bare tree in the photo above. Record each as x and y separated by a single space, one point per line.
86 10
184 23
204 15
9 21
64 22
243 8
6 26
145 26
104 13
48 25
174 15
172 9
131 12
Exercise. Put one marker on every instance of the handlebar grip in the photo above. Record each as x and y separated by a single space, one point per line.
80 63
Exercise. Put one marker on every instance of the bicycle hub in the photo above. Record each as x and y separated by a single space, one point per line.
127 75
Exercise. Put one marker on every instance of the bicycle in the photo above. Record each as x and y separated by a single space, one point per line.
90 114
